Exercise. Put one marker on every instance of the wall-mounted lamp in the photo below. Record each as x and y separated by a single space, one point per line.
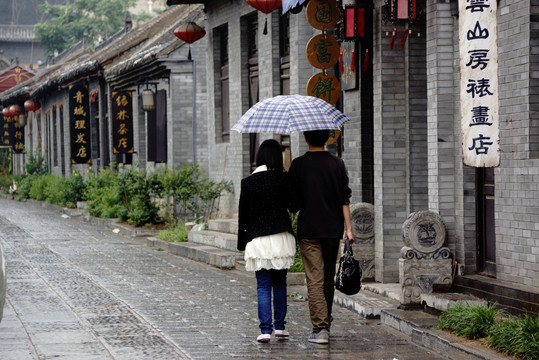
148 100
147 96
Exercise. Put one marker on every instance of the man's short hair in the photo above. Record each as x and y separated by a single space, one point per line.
317 137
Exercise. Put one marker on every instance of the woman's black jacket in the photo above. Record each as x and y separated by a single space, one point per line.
263 206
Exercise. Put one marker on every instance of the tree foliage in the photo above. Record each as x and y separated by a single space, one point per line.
67 23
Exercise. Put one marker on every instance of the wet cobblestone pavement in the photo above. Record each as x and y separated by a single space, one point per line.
79 291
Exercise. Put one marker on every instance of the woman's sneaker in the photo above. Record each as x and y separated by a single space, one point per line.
264 338
283 334
320 338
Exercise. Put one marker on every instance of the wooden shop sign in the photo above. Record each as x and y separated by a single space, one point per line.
323 51
322 14
324 86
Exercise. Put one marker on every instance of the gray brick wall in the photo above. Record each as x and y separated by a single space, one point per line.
517 179
391 149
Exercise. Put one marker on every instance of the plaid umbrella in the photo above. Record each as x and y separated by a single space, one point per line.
285 114
289 4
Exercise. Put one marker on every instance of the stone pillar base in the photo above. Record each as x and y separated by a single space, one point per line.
421 276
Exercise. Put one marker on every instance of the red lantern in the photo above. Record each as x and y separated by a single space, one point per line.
189 32
32 105
266 6
15 110
5 112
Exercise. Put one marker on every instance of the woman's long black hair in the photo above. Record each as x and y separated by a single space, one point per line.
270 154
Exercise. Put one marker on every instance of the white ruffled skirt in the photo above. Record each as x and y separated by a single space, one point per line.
274 251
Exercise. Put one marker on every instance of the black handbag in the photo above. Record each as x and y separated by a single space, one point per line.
348 279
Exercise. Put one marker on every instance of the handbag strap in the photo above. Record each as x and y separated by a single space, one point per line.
347 246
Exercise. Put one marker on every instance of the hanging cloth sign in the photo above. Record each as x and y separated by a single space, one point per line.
8 130
323 51
18 135
479 83
122 122
79 124
322 14
324 86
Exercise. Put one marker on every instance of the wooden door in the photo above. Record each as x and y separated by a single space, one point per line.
486 230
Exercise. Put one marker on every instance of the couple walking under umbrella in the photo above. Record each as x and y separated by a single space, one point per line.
316 186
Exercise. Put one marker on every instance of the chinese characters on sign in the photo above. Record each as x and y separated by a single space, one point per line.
12 134
18 136
323 51
79 124
122 122
479 83
7 131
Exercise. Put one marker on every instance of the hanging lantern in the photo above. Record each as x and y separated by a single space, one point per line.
15 110
22 119
148 100
5 112
32 105
265 6
189 32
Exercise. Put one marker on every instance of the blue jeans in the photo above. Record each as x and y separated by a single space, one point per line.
266 281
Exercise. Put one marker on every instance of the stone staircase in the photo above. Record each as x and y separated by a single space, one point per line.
215 246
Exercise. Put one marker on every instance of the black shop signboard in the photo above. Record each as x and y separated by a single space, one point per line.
79 124
122 122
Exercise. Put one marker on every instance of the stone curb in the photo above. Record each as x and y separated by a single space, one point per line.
420 327
367 304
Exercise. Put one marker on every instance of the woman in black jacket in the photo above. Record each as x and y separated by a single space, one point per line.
265 233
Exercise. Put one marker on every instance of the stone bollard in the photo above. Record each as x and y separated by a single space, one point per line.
362 216
425 264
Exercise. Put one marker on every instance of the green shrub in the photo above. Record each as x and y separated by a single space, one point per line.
102 194
189 193
516 337
73 189
36 164
209 191
176 233
137 191
24 184
180 187
38 187
472 322
54 189
6 180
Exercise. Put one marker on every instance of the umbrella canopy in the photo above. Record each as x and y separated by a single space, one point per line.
289 4
285 114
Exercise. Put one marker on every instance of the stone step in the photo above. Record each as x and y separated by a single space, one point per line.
229 226
211 255
421 328
217 239
366 303
443 301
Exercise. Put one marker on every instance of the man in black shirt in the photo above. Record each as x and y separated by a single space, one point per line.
320 183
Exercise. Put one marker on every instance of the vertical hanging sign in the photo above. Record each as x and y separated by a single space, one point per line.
479 83
79 124
122 122
7 131
18 135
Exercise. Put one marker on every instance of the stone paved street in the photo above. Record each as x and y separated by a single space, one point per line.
79 291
